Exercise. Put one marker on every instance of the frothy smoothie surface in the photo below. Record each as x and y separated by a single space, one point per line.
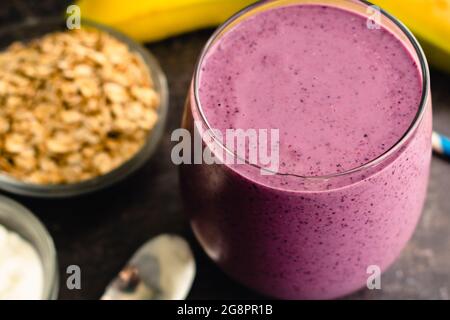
341 94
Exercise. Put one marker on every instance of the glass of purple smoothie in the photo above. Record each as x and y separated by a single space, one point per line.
347 87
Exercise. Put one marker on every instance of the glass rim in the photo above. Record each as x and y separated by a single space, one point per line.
425 73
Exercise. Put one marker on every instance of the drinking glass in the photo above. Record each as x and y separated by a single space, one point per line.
320 237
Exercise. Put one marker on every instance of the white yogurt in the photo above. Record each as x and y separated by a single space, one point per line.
21 272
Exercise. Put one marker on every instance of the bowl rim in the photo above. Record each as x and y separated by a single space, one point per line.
10 184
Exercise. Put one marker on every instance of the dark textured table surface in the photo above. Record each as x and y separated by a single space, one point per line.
100 232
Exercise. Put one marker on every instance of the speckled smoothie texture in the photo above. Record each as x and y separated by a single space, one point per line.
341 95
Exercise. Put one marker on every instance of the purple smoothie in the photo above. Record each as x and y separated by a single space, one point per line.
342 95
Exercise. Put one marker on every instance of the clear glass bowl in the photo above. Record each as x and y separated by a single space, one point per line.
36 28
20 220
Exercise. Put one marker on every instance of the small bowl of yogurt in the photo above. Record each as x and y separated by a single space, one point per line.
28 265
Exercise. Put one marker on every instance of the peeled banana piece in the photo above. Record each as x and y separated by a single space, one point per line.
429 20
152 20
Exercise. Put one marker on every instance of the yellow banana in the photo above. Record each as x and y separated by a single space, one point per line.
430 22
151 20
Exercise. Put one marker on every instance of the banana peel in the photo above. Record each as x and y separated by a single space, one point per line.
429 20
153 20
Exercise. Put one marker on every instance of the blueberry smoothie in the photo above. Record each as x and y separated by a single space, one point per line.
354 121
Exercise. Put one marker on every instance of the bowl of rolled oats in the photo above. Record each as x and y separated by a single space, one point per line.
79 109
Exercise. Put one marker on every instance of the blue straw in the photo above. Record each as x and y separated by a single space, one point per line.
441 144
